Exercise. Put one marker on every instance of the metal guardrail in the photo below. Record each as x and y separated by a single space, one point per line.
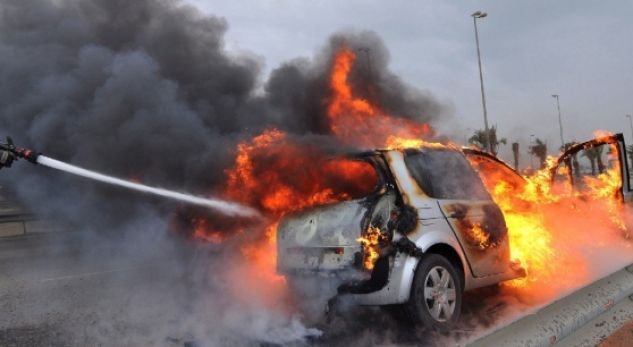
15 224
562 318
14 219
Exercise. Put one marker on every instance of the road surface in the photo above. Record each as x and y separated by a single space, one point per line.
67 289
62 290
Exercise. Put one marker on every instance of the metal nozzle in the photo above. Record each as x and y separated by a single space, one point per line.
23 153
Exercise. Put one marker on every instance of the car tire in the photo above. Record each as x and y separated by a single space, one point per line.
436 294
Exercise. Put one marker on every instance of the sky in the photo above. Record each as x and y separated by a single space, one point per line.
581 50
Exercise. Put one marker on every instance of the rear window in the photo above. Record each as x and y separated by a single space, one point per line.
352 179
494 173
445 174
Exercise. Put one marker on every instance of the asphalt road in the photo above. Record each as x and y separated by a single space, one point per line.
58 290
62 289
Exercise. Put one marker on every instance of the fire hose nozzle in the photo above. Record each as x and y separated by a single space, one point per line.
17 152
27 154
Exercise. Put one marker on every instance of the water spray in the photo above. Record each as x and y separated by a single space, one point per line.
11 152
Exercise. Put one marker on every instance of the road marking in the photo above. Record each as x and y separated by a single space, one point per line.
86 274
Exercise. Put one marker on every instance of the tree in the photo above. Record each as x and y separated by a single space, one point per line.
574 158
480 139
539 150
594 154
515 153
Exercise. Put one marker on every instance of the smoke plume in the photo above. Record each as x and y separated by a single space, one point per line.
146 90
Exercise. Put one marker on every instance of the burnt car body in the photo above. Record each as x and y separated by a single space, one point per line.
441 234
457 241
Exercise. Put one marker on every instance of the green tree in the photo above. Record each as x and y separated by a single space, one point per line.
480 139
594 154
539 150
574 158
515 154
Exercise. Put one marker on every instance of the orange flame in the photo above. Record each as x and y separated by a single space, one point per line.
356 121
278 176
370 242
481 238
606 188
547 218
202 230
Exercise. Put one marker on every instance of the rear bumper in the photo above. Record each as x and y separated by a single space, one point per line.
315 259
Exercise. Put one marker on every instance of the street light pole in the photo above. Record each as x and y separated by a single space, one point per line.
560 121
630 123
475 16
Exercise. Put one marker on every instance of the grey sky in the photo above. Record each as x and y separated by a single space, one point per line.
581 50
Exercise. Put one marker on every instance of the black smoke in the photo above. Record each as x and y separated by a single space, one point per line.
145 89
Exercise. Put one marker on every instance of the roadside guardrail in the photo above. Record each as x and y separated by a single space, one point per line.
560 322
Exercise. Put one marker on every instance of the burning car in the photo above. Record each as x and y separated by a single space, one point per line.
605 180
567 167
427 232
435 226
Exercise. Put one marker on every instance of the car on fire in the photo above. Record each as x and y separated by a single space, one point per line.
428 232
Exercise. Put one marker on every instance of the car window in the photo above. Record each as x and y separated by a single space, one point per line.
494 173
351 178
445 174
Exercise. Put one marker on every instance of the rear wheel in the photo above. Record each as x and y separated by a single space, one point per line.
436 294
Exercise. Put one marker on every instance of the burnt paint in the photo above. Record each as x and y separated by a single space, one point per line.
492 257
492 224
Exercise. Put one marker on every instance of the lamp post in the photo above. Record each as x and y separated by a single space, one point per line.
476 16
630 123
560 121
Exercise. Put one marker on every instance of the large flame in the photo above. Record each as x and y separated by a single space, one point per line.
278 175
548 220
357 121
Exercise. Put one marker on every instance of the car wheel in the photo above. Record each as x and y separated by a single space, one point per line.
436 294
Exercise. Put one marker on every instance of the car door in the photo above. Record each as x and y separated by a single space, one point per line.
493 171
603 158
477 222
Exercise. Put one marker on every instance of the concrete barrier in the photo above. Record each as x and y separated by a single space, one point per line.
12 229
565 316
16 220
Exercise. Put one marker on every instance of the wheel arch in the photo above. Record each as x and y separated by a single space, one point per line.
452 256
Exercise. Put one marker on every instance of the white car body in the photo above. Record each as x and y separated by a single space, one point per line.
323 240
